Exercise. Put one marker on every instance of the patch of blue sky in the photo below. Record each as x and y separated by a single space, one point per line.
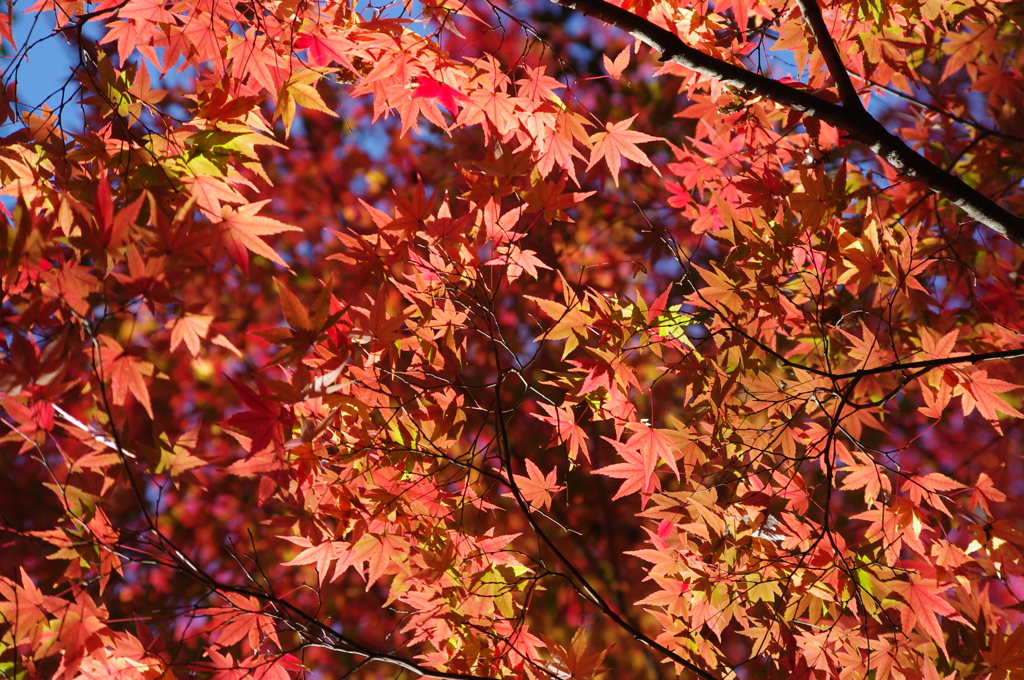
43 66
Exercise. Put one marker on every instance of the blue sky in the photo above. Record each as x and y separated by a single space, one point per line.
43 62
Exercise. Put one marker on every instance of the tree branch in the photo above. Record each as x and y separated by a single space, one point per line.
311 630
858 124
580 583
834 62
928 364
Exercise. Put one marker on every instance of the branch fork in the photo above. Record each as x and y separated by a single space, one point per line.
850 115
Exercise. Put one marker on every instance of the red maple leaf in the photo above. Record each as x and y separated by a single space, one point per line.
262 423
446 96
242 229
1007 655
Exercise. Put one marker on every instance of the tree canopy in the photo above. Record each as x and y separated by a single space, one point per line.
546 339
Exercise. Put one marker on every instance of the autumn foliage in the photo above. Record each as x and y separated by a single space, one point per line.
479 339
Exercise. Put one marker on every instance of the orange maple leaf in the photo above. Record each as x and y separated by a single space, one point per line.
616 67
868 476
190 329
576 660
379 553
616 142
635 473
985 491
517 262
567 431
126 372
924 601
538 488
979 391
322 555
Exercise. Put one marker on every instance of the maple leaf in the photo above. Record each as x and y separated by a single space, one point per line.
114 226
618 142
262 422
225 667
538 488
722 289
446 96
322 555
573 319
925 601
1006 656
567 430
126 372
895 525
5 31
518 262
326 49
190 329
949 556
984 492
548 199
241 618
73 282
213 194
377 324
869 476
299 90
635 471
489 105
654 445
618 65
928 488
979 391
537 86
24 606
179 458
575 661
241 232
283 667
558 151
379 553
817 650
938 347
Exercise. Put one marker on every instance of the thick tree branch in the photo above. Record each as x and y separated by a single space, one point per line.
858 124
834 62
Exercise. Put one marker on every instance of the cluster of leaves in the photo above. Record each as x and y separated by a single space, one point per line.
476 341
